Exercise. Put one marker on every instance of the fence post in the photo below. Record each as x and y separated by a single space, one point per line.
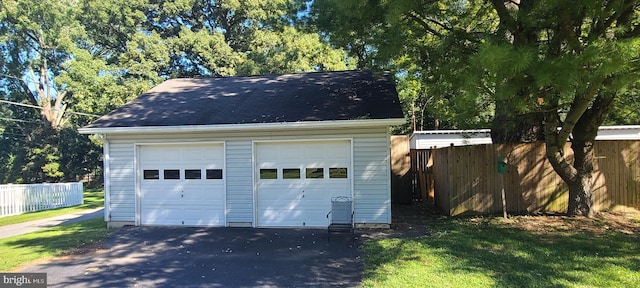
81 188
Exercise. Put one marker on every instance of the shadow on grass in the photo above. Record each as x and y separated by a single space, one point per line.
63 239
510 257
56 241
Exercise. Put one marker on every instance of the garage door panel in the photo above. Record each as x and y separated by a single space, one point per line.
317 195
158 203
276 187
204 189
202 153
161 216
300 216
339 150
205 203
285 199
189 200
278 217
160 196
162 154
273 152
203 220
155 187
317 217
166 213
313 153
185 216
304 201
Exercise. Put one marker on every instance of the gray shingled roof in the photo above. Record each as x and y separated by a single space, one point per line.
317 96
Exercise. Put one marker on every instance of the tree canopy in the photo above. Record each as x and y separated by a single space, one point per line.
75 58
552 70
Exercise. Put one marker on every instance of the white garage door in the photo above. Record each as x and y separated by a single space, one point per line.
182 185
296 181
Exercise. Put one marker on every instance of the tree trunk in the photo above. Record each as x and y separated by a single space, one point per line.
581 186
579 174
582 144
581 196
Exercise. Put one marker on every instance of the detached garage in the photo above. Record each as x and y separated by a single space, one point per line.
263 151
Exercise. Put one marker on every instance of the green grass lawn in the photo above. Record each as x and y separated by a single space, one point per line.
57 241
520 252
92 199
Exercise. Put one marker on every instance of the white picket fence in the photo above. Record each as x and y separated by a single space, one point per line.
21 198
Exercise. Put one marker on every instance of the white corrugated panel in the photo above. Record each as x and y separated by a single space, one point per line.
442 138
624 132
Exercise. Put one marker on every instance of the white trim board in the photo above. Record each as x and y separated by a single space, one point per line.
246 127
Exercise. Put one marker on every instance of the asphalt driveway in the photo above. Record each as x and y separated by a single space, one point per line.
212 257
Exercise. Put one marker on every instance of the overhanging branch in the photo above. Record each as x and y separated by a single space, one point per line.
579 106
416 18
503 12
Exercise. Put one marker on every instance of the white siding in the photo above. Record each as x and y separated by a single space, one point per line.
372 198
371 170
122 182
239 181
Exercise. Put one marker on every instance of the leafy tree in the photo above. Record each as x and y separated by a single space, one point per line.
625 110
191 38
574 60
46 154
429 58
552 69
73 57
290 51
35 42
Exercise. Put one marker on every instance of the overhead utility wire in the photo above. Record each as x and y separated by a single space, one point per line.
38 107
18 120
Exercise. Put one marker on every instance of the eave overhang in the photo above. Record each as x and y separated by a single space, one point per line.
358 123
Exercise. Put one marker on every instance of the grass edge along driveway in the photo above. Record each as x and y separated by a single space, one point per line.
525 251
53 242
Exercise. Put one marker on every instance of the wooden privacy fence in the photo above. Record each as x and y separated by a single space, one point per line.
467 179
411 176
22 198
411 173
422 168
401 176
